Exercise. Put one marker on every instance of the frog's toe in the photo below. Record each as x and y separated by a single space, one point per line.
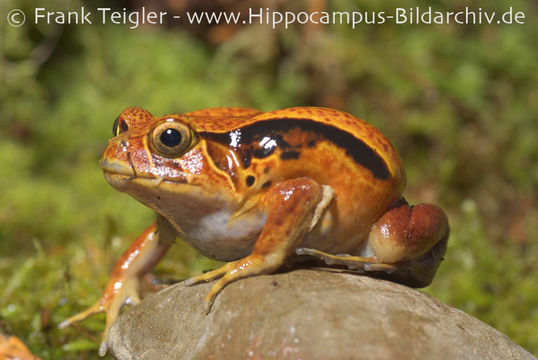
224 272
235 272
388 268
96 308
352 262
215 289
103 348
210 275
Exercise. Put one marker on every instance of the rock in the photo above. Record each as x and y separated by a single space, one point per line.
304 314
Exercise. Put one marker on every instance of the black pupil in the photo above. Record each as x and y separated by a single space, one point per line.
170 137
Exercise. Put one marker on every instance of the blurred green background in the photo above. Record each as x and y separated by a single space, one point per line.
460 103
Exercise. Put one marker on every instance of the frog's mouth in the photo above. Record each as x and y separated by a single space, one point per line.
115 168
121 176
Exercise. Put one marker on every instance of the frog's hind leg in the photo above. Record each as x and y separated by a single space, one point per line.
407 244
415 273
293 207
352 262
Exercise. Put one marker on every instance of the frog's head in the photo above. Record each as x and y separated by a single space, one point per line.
152 158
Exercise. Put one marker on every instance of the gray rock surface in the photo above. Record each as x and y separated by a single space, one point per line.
304 314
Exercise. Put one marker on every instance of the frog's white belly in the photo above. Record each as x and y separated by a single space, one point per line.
220 238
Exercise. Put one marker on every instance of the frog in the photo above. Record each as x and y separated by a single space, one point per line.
261 190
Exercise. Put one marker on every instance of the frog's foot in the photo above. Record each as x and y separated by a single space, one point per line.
248 266
210 275
352 262
119 293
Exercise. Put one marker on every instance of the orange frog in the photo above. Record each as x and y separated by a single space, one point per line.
259 190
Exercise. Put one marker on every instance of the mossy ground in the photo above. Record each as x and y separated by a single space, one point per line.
459 103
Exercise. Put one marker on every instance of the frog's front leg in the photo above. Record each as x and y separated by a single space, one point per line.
407 242
293 208
124 283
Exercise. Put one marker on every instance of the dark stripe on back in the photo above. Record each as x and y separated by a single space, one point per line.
287 155
243 140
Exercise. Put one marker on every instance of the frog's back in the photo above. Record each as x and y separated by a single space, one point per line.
329 146
248 128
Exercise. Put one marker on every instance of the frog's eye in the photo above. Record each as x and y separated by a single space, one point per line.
119 126
171 138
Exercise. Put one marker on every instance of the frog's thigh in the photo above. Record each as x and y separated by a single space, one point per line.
406 232
293 207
